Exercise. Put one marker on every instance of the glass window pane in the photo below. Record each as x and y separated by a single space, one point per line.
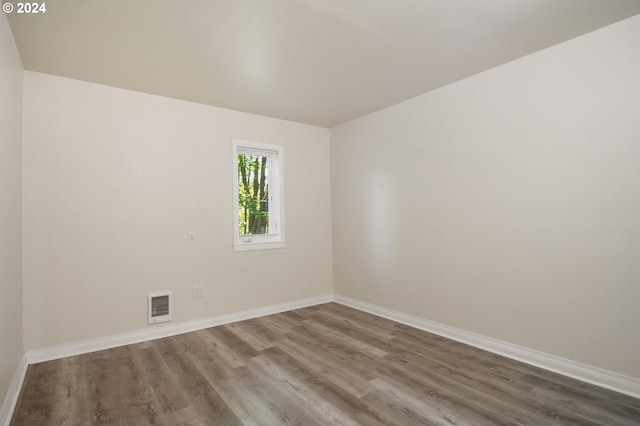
253 194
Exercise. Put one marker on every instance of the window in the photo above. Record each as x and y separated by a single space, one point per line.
258 196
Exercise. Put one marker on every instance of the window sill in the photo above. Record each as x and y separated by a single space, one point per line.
267 245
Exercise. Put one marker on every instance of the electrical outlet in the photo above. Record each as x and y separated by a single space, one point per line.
191 237
198 291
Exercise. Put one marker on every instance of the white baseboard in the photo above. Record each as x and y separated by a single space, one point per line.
11 399
155 332
586 373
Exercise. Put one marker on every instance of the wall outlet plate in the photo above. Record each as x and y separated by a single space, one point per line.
198 291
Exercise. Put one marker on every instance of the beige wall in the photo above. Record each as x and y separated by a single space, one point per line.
10 207
113 182
507 204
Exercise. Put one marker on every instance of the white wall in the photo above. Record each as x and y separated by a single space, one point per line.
10 207
506 204
113 182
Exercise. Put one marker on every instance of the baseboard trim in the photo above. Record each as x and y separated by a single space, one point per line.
154 332
583 372
11 399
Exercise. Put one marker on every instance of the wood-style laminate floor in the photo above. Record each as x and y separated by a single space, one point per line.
323 365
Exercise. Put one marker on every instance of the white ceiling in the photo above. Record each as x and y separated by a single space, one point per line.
321 62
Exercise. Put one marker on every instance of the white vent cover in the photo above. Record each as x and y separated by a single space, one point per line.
159 307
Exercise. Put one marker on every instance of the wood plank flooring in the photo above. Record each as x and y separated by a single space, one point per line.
323 365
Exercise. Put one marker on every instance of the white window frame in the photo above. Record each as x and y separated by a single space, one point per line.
275 238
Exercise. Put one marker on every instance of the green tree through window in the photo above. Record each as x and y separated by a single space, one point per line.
253 194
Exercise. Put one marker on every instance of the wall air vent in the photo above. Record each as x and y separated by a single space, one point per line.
159 307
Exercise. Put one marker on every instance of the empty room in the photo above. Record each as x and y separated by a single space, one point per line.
320 212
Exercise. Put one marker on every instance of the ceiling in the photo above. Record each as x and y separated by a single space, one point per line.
321 62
